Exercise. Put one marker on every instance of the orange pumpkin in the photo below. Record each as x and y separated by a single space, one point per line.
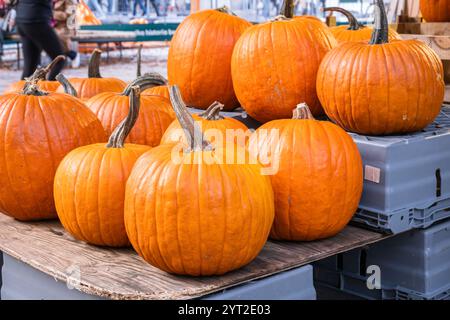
212 124
90 184
275 64
41 75
37 129
94 83
355 31
435 10
381 88
155 116
197 215
200 56
316 178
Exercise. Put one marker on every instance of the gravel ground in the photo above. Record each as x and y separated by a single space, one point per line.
154 60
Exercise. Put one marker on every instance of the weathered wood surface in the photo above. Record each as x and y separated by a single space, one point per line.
440 44
447 94
430 28
122 274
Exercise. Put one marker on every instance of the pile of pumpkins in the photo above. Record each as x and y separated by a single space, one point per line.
208 213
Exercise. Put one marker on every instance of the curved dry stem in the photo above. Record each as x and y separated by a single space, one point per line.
120 134
139 61
213 112
302 112
288 8
31 88
94 64
193 133
67 86
380 32
148 80
353 23
226 10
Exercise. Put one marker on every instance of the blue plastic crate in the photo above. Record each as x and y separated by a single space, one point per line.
413 265
406 178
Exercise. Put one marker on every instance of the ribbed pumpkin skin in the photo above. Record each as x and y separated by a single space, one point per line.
200 56
44 85
342 34
89 87
435 10
89 192
158 91
201 219
35 135
319 182
274 66
155 116
175 133
381 89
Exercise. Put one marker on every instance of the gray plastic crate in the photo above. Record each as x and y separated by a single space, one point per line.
1 267
406 178
413 265
296 284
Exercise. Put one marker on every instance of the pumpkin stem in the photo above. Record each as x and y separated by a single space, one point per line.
380 32
288 8
192 131
226 10
353 23
119 135
213 111
148 80
94 64
68 88
41 72
31 88
302 112
139 61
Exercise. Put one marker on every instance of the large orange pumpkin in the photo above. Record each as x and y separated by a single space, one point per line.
316 175
90 184
381 88
197 215
200 56
435 10
41 75
155 116
212 123
275 64
94 83
37 129
354 31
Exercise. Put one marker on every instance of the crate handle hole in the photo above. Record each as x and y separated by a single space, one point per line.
438 183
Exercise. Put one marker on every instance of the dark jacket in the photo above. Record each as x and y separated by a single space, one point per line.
34 11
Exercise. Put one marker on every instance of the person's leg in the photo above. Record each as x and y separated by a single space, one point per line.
31 51
155 6
51 44
136 2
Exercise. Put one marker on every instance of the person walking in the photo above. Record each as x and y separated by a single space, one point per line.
34 27
142 4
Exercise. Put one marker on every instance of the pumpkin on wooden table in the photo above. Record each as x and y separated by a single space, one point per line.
316 175
41 75
212 124
354 31
95 83
89 186
156 113
37 129
190 212
275 64
435 10
200 56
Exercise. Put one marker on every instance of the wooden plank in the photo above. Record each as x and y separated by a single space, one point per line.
122 274
429 28
447 94
440 44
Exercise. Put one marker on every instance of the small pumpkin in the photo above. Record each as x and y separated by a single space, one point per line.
200 56
94 83
193 216
435 10
89 186
381 87
354 31
212 123
41 75
37 129
156 113
317 175
275 64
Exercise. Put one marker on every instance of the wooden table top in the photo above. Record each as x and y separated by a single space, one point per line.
122 274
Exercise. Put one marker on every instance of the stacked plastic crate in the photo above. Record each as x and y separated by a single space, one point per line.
406 193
